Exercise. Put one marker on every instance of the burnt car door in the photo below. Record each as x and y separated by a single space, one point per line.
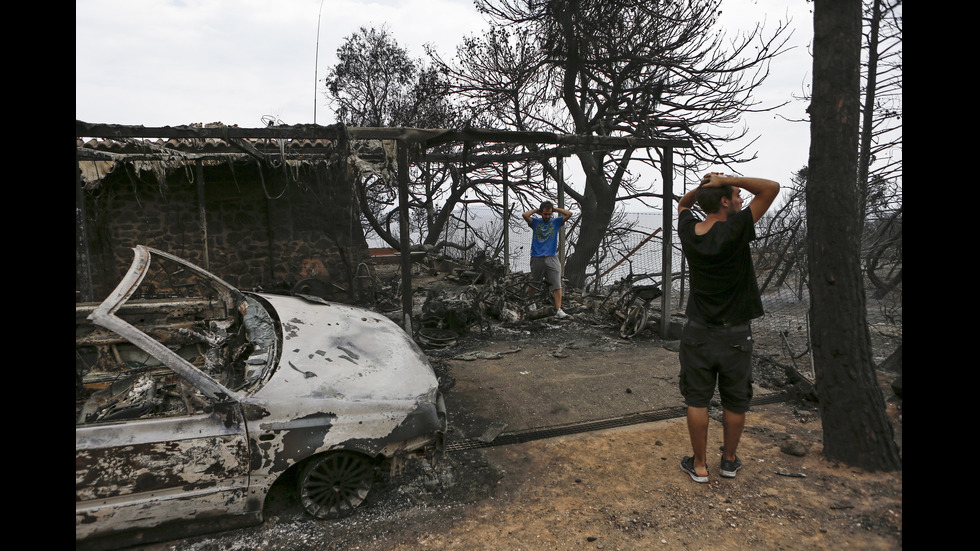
150 472
159 443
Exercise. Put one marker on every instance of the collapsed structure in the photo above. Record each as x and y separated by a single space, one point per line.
268 208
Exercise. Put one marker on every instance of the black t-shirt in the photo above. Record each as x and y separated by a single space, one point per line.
723 285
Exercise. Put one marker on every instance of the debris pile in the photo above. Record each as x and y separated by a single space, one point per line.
452 297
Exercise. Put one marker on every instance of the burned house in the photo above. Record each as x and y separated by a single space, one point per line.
265 213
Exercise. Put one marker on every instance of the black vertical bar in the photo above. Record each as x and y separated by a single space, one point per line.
404 241
667 171
506 229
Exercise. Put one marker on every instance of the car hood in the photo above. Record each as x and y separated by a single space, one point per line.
336 352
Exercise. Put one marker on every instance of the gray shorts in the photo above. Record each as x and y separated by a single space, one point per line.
548 268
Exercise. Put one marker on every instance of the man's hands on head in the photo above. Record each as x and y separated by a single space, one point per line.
712 179
763 191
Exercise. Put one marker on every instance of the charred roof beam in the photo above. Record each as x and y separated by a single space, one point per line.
248 149
427 137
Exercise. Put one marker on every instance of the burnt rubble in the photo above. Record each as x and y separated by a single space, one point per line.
452 297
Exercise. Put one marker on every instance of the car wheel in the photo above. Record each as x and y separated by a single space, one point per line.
334 484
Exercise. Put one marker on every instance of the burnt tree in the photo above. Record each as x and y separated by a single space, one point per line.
611 68
855 428
376 84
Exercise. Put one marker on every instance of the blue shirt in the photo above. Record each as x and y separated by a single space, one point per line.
544 241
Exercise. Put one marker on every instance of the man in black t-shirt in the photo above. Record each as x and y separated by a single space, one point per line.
716 346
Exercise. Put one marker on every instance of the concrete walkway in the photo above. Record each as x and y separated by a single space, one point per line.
548 384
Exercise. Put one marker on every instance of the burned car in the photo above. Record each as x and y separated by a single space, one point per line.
193 397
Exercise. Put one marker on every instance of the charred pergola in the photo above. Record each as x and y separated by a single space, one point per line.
197 143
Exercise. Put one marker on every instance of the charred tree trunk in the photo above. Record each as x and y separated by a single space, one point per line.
855 428
867 125
597 207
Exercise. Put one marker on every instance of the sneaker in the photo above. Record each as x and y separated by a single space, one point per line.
729 468
560 314
687 465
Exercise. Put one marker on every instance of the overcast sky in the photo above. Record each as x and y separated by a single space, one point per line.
177 62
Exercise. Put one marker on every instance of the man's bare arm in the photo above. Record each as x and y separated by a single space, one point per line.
527 215
764 191
688 200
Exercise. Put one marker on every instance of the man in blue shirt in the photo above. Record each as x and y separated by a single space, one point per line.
544 248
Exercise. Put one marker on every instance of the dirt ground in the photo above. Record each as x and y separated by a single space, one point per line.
619 488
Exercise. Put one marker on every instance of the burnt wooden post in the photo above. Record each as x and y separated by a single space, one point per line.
83 265
403 237
561 205
506 221
667 171
202 214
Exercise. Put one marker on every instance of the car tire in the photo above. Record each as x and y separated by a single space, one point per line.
334 484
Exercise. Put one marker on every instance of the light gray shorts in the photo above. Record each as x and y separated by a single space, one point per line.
548 268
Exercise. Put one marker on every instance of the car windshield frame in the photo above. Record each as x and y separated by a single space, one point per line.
105 316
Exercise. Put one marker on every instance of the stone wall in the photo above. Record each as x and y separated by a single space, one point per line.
270 228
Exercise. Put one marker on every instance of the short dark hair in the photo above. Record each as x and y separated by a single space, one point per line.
547 205
709 198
